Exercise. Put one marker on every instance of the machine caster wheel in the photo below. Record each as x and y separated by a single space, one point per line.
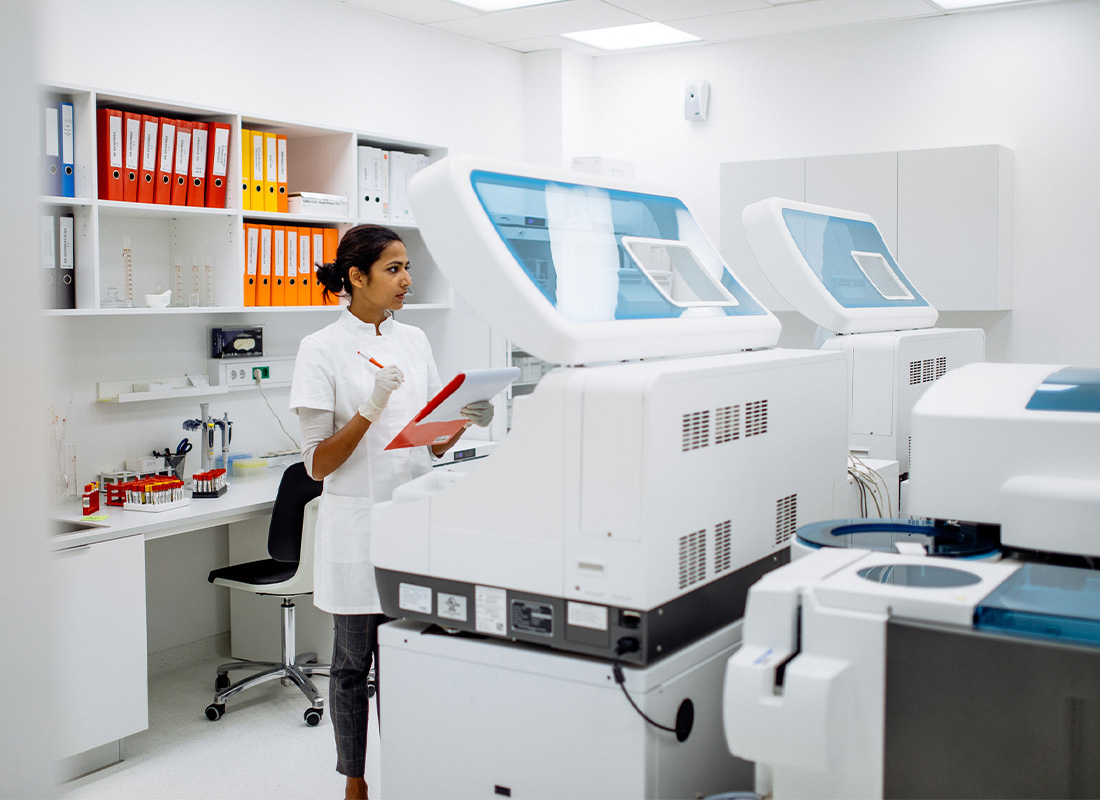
221 682
313 716
372 690
214 711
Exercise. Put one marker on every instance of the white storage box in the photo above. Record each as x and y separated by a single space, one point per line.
329 205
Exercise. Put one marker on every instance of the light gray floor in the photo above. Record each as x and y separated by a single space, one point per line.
261 748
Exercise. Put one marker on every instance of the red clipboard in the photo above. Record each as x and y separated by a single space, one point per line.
440 419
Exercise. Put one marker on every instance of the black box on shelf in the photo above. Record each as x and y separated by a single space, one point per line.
236 342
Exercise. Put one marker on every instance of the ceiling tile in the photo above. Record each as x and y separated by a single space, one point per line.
536 21
794 17
664 10
550 43
420 11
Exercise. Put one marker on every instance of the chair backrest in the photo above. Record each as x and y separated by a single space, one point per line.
284 535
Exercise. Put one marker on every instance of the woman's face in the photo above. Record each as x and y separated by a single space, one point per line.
388 280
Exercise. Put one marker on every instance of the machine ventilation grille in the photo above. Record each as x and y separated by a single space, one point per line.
722 546
786 518
696 430
693 558
928 370
756 417
727 424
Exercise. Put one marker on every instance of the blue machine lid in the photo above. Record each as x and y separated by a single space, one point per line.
599 254
882 534
1045 600
1069 389
851 260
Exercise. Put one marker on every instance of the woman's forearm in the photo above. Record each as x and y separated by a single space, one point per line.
331 453
440 449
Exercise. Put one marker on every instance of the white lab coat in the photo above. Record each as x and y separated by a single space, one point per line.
331 375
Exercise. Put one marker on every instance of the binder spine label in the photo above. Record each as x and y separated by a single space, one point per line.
183 151
272 163
265 255
51 132
167 136
133 143
47 244
149 148
253 249
115 144
303 257
198 154
257 157
220 165
280 256
66 133
282 160
66 231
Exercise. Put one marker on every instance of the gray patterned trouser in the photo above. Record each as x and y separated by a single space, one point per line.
354 649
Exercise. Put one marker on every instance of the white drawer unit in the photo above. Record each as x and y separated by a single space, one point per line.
101 693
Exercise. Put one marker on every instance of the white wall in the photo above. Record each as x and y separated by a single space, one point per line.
329 63
1026 77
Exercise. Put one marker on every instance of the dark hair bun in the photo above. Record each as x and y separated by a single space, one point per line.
330 278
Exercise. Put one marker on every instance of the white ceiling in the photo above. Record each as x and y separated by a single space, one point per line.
540 27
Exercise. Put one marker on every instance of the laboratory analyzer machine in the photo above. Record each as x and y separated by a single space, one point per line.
641 490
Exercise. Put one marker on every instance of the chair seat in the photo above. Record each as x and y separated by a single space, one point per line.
258 573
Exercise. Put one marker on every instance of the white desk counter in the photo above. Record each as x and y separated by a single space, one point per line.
99 583
247 497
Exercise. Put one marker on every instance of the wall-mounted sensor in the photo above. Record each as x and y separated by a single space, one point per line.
696 94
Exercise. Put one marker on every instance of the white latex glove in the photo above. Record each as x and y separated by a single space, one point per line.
387 379
479 413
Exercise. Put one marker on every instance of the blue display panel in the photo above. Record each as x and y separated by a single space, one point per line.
1045 600
601 254
851 260
1069 389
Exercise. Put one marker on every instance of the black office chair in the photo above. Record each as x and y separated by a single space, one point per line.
287 574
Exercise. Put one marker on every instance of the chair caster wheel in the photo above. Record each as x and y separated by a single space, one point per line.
214 711
221 682
372 690
313 716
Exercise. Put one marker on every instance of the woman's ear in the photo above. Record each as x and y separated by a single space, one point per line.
357 278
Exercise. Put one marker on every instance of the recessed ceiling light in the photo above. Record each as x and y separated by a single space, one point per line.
625 37
502 5
959 5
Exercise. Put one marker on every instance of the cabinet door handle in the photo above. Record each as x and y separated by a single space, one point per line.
75 549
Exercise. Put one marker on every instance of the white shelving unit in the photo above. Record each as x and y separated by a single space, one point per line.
320 159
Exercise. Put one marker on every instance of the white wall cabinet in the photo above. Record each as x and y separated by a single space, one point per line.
946 215
320 159
101 690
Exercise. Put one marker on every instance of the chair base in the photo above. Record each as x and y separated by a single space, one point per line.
297 670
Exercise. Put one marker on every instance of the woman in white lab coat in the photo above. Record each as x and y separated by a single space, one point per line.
356 384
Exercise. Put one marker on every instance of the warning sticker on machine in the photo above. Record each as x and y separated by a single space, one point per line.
417 599
586 615
451 606
490 610
531 617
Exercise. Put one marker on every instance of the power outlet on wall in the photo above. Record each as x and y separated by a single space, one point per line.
242 373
